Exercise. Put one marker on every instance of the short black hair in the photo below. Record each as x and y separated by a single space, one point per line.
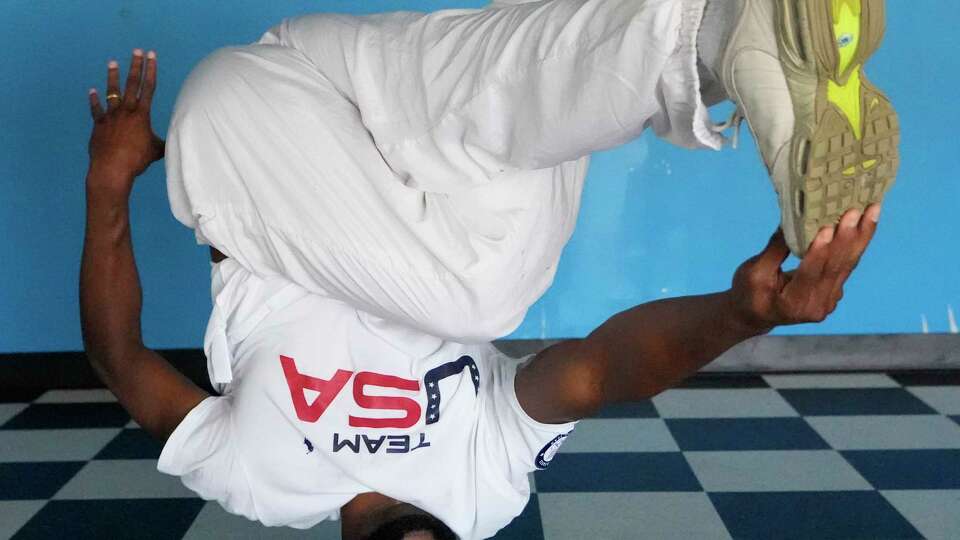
398 528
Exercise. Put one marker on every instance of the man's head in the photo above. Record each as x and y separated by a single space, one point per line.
371 516
413 527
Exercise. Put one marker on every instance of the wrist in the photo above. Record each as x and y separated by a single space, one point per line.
103 169
108 183
742 320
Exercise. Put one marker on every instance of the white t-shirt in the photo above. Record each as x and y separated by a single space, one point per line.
327 402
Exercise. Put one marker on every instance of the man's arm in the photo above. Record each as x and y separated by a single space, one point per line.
645 350
123 146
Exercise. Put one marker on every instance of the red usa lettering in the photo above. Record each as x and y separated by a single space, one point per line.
329 389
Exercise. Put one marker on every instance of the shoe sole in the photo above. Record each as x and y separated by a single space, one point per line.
844 152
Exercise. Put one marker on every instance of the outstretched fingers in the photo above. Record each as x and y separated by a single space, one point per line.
130 93
113 85
858 234
149 80
96 110
800 301
139 88
817 284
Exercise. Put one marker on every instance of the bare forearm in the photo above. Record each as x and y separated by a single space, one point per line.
155 394
110 294
652 347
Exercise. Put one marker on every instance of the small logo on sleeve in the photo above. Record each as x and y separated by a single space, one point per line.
546 455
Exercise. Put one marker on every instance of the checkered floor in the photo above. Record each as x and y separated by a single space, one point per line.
785 456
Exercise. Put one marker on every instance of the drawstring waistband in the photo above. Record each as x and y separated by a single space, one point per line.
735 120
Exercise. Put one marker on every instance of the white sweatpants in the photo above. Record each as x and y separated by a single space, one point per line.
426 168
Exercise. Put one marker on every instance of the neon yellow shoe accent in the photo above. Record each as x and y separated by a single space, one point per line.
847 98
846 28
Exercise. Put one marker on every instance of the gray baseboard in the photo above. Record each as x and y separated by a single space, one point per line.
874 352
893 352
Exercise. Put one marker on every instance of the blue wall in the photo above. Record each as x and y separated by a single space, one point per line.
656 221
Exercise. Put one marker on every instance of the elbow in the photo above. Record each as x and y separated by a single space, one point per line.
616 375
107 359
102 361
587 381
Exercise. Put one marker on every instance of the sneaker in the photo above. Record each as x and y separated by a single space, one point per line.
828 137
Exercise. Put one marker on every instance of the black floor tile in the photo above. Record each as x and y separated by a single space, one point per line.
69 415
822 515
114 519
617 472
36 480
527 526
907 469
19 395
724 380
694 434
636 409
131 444
927 378
854 401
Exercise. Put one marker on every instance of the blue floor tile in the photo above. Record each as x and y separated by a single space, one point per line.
927 378
808 515
122 518
69 415
20 395
724 380
636 409
37 480
693 434
606 472
854 401
527 526
131 444
907 469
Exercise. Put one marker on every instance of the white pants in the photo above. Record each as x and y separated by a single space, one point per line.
426 168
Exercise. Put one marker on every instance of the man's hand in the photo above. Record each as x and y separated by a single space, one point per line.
123 143
766 296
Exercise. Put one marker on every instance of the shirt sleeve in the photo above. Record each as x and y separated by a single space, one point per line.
530 445
203 453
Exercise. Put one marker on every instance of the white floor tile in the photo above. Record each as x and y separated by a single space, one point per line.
20 445
836 380
620 435
936 514
215 522
99 395
887 432
722 403
786 470
627 516
13 514
122 479
944 399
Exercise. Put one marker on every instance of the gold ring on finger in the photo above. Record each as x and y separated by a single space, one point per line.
113 95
